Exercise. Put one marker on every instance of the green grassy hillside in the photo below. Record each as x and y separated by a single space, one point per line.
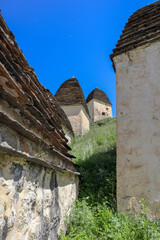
96 154
94 215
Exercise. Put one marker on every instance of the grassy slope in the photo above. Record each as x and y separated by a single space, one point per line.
96 154
100 138
94 216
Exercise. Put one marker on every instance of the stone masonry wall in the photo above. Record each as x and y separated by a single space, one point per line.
37 189
29 206
99 110
138 128
90 105
85 122
33 200
67 194
78 119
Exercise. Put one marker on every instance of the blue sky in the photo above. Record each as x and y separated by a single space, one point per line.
62 38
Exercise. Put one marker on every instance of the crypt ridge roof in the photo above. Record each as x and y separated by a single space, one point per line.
142 27
98 94
71 93
28 99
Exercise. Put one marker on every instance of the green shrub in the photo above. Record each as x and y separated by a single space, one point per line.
103 223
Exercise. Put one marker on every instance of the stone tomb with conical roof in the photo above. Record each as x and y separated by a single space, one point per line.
71 98
38 179
136 60
99 105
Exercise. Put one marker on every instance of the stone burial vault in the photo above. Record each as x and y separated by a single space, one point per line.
71 98
38 179
136 60
99 105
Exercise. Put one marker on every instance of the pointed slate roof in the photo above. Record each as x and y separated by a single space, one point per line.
142 27
33 113
98 94
71 93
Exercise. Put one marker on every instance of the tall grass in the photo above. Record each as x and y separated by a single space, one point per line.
94 215
96 154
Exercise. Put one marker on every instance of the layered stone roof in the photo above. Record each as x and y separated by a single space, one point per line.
61 114
142 27
25 105
71 93
98 94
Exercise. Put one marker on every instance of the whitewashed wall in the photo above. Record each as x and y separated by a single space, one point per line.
138 128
